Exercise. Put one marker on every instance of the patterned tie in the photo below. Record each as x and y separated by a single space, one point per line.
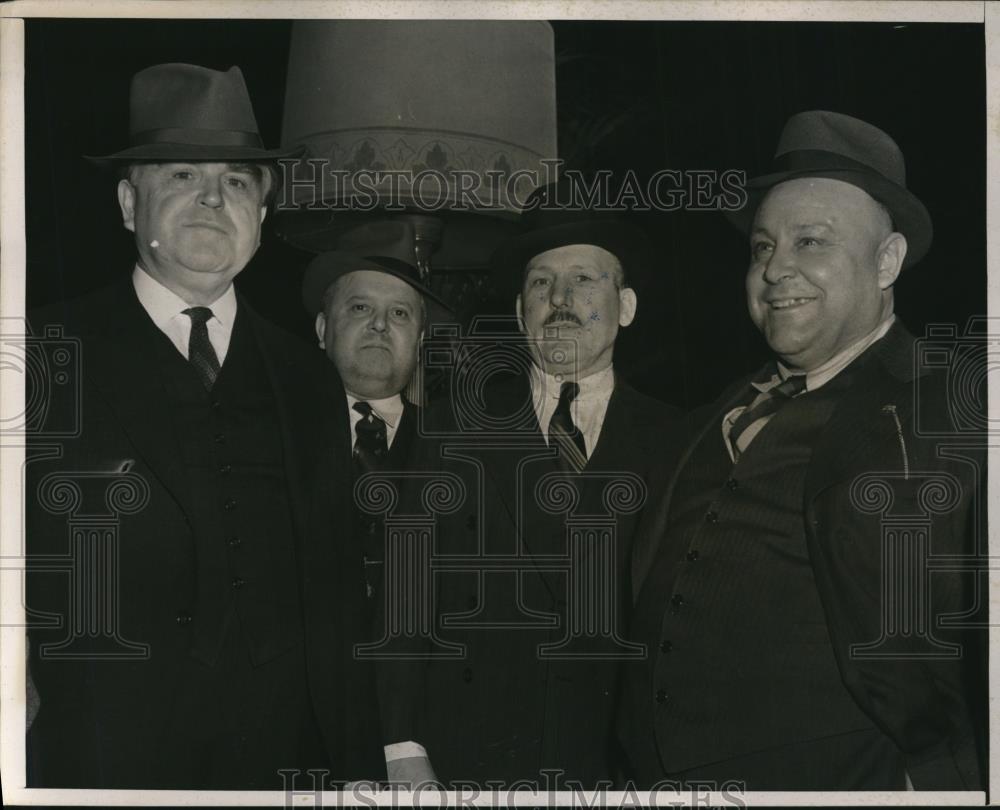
372 445
763 408
200 352
370 454
566 435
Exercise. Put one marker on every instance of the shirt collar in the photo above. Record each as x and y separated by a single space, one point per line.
389 410
822 374
600 383
163 304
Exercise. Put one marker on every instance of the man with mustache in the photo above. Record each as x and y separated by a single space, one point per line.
799 640
179 660
537 684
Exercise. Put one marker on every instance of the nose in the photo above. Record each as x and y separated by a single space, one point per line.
562 293
210 194
780 265
378 321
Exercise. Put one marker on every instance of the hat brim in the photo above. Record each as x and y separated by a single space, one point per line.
909 215
318 279
170 152
625 241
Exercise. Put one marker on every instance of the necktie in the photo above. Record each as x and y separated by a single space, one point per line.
370 452
764 407
566 435
200 352
372 445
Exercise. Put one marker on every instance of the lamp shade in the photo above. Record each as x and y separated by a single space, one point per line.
412 105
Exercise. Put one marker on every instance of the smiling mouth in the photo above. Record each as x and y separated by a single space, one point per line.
789 303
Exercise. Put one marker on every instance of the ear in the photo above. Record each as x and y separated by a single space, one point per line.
889 258
519 312
321 328
126 201
628 303
263 213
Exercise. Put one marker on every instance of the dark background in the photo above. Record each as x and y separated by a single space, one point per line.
631 95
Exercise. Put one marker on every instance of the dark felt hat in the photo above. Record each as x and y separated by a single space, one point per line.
557 215
187 112
384 247
819 143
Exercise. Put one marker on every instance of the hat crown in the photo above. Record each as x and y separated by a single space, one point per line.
843 135
189 97
571 201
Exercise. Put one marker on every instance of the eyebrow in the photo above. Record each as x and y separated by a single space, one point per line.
364 298
548 268
245 168
801 226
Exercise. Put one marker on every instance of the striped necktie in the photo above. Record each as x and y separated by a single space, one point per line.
200 352
566 435
763 408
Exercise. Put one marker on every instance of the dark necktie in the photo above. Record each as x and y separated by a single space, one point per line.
764 407
566 435
372 445
200 352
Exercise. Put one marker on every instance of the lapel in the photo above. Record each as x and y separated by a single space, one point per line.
119 361
307 392
402 443
861 423
620 437
657 516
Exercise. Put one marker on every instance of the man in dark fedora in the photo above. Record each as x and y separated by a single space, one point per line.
181 661
794 627
370 309
542 623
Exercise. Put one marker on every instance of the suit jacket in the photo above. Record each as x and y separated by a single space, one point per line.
337 607
505 710
892 425
101 718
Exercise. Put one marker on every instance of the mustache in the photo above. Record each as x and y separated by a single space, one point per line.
562 317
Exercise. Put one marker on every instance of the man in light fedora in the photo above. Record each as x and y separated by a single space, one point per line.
791 647
371 309
565 420
190 667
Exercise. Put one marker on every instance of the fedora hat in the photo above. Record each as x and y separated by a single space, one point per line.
388 247
188 112
553 217
819 143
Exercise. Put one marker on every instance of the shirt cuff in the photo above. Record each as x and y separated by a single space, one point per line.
402 750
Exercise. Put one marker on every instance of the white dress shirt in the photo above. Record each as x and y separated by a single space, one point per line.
166 309
389 410
815 379
587 409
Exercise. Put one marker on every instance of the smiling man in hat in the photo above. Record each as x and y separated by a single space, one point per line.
214 421
528 696
766 580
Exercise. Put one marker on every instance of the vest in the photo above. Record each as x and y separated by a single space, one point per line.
231 450
743 660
